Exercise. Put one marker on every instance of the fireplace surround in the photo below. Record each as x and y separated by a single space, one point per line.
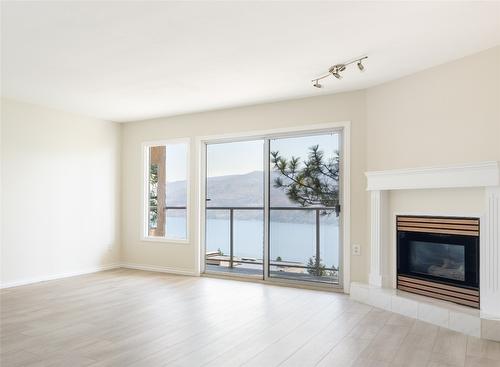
381 289
438 257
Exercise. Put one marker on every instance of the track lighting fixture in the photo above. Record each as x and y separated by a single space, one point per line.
337 69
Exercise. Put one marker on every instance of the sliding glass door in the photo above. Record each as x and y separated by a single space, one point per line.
304 241
235 207
273 208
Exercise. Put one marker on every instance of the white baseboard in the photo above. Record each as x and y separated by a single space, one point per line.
58 276
160 269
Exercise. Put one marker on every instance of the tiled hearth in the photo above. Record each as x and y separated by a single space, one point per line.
455 317
381 292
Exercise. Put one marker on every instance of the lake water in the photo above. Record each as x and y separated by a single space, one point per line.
290 241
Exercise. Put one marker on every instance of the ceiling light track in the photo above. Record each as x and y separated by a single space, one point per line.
336 71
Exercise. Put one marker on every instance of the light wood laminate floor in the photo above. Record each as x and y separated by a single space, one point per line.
135 318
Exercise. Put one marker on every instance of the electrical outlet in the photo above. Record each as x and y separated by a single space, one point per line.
356 250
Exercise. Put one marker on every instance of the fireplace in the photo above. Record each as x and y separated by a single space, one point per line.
439 257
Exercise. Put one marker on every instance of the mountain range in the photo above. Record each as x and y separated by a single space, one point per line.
232 190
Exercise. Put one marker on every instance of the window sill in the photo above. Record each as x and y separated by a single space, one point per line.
166 240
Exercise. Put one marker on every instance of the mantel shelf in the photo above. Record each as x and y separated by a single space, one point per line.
480 174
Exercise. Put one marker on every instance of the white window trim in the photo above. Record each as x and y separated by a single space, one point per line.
145 191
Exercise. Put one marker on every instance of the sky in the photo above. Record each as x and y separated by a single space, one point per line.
244 157
176 162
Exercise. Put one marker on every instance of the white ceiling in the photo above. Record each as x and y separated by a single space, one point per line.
125 61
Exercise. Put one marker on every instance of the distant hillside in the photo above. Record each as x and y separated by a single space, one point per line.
243 190
232 190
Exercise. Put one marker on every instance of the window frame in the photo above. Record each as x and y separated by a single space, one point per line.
344 126
145 191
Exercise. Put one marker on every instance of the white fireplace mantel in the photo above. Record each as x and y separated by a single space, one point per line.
482 174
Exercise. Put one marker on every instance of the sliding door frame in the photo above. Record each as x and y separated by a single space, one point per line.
344 228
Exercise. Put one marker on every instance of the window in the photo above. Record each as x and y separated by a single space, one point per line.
166 167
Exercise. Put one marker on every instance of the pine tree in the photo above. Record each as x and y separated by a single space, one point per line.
312 182
316 267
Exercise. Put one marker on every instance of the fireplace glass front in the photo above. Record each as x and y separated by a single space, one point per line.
441 260
446 258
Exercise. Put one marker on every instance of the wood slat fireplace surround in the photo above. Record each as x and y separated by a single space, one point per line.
440 289
440 229
444 225
458 295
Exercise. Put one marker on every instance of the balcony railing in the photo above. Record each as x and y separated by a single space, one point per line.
231 260
288 264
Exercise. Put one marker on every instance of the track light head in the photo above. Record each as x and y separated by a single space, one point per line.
361 67
336 69
317 85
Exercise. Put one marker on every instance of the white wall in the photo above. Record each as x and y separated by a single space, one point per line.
60 193
181 257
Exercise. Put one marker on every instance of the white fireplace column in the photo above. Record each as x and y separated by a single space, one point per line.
489 256
378 237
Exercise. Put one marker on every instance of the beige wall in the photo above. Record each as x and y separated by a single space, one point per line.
449 114
445 115
334 108
60 193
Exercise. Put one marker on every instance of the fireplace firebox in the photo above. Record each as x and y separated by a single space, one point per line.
439 257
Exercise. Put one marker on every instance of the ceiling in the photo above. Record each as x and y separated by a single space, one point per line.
125 61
